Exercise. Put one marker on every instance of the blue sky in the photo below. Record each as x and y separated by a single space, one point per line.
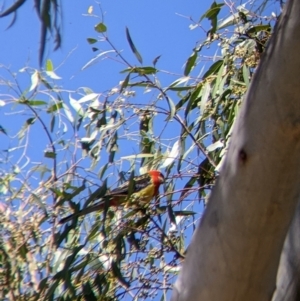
155 27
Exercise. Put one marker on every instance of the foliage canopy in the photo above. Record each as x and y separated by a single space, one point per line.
183 130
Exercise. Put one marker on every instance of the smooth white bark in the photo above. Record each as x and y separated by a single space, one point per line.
288 276
235 251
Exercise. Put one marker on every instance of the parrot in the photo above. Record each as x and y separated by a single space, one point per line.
144 189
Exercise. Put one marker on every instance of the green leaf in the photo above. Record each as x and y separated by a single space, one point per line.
146 70
223 83
183 101
100 27
258 28
190 63
57 106
171 215
37 102
92 40
13 8
112 147
194 99
103 170
246 75
141 70
217 86
30 121
211 15
156 60
184 213
190 183
178 89
49 65
214 68
125 83
212 12
132 46
172 108
49 154
117 273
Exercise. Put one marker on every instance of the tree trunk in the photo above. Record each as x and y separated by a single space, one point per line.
288 277
235 251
